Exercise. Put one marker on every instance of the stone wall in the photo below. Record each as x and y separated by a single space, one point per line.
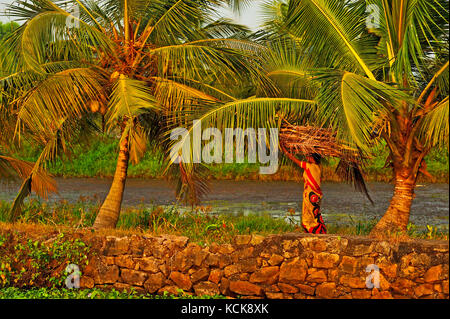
278 266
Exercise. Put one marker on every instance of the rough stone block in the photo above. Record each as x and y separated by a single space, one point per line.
434 274
206 288
275 260
286 288
148 264
106 274
266 275
325 260
293 271
326 290
181 280
154 282
317 276
133 277
116 246
245 288
200 275
215 275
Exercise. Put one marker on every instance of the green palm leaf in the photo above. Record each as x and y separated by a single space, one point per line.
129 98
434 129
336 35
351 103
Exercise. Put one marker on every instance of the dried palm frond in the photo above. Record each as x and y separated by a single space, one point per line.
309 140
192 184
35 178
41 182
352 174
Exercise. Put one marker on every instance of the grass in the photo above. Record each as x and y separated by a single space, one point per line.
99 160
95 293
199 224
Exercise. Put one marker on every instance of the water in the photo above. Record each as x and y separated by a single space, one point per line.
340 204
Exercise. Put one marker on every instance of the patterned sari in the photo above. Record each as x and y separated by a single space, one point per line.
312 221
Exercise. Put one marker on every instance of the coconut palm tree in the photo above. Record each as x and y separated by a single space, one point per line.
374 71
34 176
129 60
55 139
379 73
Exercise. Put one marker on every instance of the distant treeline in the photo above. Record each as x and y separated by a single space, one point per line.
8 27
98 159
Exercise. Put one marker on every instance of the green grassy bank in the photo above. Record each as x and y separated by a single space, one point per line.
199 224
95 293
99 160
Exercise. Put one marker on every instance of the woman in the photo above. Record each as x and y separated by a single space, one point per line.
312 220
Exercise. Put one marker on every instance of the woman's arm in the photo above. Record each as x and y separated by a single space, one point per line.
293 158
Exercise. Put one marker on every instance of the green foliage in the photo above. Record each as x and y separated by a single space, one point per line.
7 28
363 228
95 293
98 159
199 224
79 214
25 262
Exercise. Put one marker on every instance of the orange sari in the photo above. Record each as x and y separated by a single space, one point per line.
312 221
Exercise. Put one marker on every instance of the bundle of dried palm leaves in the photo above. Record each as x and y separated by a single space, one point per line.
308 140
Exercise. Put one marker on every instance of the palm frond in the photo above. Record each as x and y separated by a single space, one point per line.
222 61
129 98
40 181
352 174
223 28
172 21
351 103
60 96
137 140
248 113
47 33
308 140
434 130
192 185
16 207
336 35
411 31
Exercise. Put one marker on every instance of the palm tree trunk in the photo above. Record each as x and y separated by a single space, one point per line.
109 212
396 217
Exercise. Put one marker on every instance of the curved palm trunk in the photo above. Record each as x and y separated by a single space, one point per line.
396 217
109 212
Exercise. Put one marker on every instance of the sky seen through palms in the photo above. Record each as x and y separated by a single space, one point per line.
249 15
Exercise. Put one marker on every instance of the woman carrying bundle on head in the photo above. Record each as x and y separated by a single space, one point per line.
312 221
314 142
